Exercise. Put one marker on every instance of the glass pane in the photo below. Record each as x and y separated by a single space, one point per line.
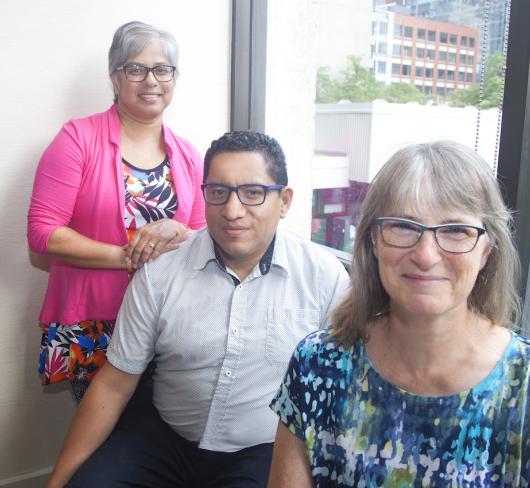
421 51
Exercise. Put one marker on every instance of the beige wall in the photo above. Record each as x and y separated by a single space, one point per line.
53 56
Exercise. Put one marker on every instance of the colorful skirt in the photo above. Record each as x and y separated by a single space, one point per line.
73 352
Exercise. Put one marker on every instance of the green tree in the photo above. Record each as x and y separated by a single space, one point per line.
492 95
403 93
355 83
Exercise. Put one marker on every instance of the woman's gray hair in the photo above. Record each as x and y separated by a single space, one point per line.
439 176
132 38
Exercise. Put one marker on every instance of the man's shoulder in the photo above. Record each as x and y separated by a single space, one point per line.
301 246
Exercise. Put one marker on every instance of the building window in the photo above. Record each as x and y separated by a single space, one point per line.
461 76
441 74
449 92
443 37
407 51
428 72
420 71
398 30
463 59
420 52
469 77
451 58
396 69
450 75
383 27
471 42
430 54
463 41
427 90
396 49
470 60
407 32
442 56
440 91
421 33
405 70
381 48
381 67
452 39
431 35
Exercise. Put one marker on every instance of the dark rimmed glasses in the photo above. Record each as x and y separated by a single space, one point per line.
251 195
404 233
138 72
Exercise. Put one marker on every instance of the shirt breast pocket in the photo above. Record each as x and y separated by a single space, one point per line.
285 329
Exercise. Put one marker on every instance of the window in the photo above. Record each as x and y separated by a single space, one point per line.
398 30
452 39
396 69
408 31
441 74
427 90
430 54
463 41
420 71
381 48
431 35
450 74
469 77
428 72
407 51
451 58
440 91
448 92
383 27
443 37
471 42
463 59
470 60
396 49
405 70
421 33
461 76
381 67
420 52
442 56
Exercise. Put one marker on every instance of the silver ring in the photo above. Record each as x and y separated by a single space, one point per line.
151 245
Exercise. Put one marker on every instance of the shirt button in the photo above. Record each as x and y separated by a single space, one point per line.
228 373
235 331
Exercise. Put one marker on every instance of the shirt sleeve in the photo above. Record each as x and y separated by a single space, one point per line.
55 189
132 345
335 284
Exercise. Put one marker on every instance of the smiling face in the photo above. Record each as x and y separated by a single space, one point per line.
243 233
148 99
424 280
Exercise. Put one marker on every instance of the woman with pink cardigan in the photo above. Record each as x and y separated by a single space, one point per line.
111 192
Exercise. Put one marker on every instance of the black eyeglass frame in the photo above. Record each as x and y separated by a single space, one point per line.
266 189
422 228
147 71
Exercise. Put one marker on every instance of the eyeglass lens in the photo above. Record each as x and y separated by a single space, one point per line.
247 194
135 72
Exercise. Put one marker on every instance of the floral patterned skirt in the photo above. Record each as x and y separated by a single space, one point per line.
74 352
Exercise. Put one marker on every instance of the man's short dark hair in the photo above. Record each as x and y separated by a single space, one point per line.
241 141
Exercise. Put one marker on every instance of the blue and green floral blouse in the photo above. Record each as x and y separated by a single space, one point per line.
360 430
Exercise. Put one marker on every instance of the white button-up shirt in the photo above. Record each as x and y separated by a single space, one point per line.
222 347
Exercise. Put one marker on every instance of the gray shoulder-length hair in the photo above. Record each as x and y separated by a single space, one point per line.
455 178
130 39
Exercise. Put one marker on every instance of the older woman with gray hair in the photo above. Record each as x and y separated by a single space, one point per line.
112 191
422 380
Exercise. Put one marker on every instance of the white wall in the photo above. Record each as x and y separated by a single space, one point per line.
54 67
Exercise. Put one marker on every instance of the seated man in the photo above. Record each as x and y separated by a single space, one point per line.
221 315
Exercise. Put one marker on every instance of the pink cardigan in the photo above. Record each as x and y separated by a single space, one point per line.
79 184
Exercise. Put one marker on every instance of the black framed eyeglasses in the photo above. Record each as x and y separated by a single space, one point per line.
251 195
138 72
404 233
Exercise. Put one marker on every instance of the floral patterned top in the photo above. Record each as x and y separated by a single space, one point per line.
149 195
360 430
